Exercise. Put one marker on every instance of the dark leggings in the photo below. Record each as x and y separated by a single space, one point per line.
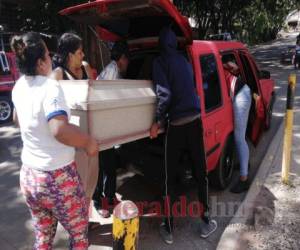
106 185
180 139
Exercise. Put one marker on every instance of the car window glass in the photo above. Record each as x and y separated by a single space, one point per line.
210 83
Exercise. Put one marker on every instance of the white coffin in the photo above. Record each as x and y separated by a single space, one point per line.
114 112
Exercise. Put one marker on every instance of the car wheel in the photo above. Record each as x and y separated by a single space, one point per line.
269 113
6 109
222 175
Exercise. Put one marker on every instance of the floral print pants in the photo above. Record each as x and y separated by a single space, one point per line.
56 196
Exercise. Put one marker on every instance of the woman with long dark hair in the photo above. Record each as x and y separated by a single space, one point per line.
68 61
48 177
70 66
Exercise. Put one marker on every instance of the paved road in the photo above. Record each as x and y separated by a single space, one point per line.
15 227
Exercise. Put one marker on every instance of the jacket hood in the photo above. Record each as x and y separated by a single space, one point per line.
167 40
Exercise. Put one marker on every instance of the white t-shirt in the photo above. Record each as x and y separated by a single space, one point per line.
37 100
110 72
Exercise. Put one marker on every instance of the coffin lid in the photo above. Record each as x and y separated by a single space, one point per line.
131 19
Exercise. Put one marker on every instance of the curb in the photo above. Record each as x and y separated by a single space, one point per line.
231 237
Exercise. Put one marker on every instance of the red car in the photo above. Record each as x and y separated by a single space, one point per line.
8 76
139 22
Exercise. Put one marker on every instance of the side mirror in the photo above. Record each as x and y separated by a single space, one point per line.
264 74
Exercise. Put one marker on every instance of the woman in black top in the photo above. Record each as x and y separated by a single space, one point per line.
69 59
70 66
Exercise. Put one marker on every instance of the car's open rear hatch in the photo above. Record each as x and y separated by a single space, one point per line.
131 19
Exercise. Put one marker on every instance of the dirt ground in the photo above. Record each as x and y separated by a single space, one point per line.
275 222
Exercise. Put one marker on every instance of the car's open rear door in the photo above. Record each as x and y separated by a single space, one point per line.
131 19
257 112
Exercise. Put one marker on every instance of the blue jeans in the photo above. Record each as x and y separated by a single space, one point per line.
241 107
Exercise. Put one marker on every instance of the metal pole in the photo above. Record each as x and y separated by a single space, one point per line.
288 129
125 226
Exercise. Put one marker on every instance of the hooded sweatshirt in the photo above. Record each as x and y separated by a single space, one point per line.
174 82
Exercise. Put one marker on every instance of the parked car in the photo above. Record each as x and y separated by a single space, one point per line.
8 76
140 24
9 73
226 36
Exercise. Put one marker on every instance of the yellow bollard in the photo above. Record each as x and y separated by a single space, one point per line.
288 129
125 226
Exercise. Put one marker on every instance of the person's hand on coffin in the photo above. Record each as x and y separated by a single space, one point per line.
154 130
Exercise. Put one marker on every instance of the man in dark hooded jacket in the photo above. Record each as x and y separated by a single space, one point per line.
178 106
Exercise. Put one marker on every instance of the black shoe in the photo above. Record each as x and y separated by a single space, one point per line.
240 187
104 213
165 234
207 228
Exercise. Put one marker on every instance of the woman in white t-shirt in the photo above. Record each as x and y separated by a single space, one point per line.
48 177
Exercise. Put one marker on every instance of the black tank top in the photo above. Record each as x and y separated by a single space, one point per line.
66 72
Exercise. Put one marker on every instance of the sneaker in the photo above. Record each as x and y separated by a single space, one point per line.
104 213
240 187
165 234
206 229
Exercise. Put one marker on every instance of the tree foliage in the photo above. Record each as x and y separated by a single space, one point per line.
264 18
251 20
43 16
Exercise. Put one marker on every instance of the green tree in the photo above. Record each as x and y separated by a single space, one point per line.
212 16
251 20
43 16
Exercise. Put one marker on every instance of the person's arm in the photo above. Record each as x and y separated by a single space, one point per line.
88 70
71 135
56 113
57 74
110 72
163 94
